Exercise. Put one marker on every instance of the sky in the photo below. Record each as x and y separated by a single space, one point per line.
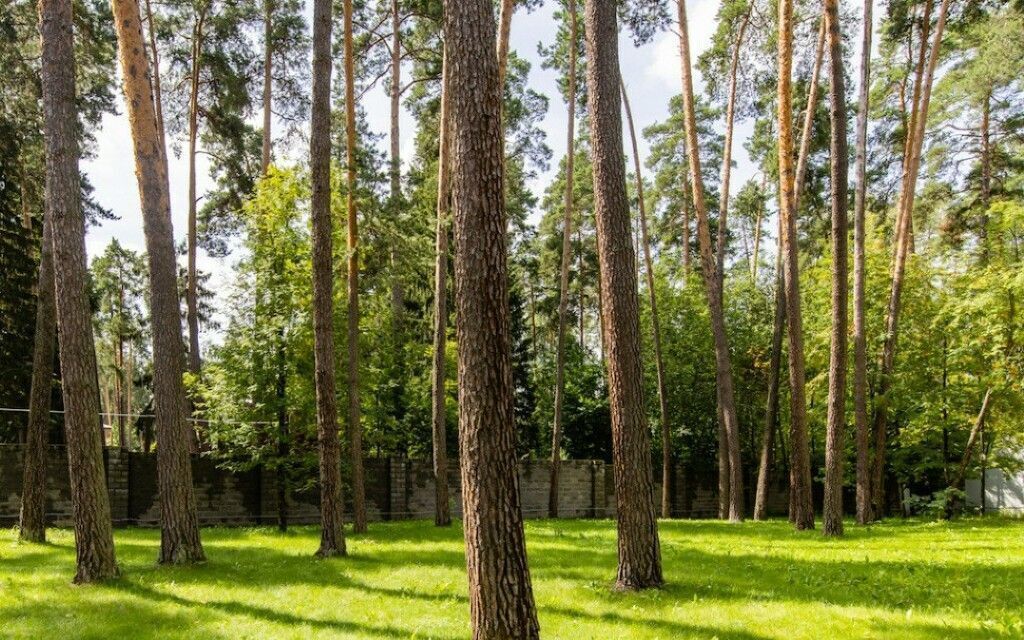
652 74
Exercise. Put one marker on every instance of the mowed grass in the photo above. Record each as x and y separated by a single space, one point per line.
897 579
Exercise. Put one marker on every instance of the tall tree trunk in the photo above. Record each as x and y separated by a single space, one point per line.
639 550
712 282
192 290
832 521
800 466
332 533
94 539
355 427
772 411
268 79
860 343
32 525
500 593
395 168
563 299
122 432
724 455
685 239
507 8
154 64
179 535
439 413
906 208
659 361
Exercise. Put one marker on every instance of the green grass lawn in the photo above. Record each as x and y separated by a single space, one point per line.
898 579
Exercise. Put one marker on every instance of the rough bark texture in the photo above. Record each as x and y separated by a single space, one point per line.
179 535
905 217
500 593
802 513
860 343
659 361
832 518
639 550
563 299
332 533
712 284
439 413
94 539
355 426
772 410
32 525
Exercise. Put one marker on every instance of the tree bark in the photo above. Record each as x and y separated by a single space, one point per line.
563 300
659 361
500 593
639 550
32 525
800 467
803 156
712 283
860 344
355 427
179 535
94 539
192 290
154 61
332 533
439 413
906 208
832 520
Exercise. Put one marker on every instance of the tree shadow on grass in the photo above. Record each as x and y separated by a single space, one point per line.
235 608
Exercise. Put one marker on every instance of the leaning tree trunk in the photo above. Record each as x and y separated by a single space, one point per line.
94 538
800 466
154 60
355 427
905 216
439 412
332 533
32 525
500 593
724 455
563 299
972 440
639 550
860 344
832 517
659 361
179 539
712 282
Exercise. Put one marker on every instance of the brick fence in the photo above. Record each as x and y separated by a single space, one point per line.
396 488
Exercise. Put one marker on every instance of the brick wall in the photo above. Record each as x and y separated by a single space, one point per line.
396 489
